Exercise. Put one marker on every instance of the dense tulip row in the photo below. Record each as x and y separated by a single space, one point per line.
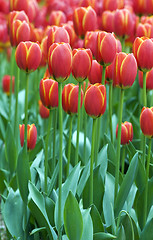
69 174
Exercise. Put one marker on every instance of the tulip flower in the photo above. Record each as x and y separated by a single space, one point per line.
48 90
149 79
146 124
112 4
125 70
57 18
70 29
143 52
17 15
84 19
139 7
17 32
31 135
6 84
19 5
56 35
90 41
60 61
107 19
70 98
145 29
81 63
126 132
43 111
4 36
28 56
95 100
95 74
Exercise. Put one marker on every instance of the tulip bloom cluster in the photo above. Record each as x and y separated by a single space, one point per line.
126 132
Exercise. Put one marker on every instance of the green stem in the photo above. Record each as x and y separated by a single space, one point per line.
98 130
25 219
123 44
69 146
92 162
85 135
46 152
110 109
37 95
54 137
16 123
26 109
144 104
12 70
60 158
123 158
103 75
78 125
146 185
118 142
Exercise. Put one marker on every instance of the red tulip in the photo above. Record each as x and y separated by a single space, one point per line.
56 35
28 56
19 5
106 48
95 74
31 135
43 111
43 46
126 132
107 19
146 121
6 84
125 70
60 61
4 36
57 18
149 79
112 4
84 19
143 52
90 41
145 29
70 98
16 15
95 100
81 63
139 7
70 29
48 90
17 32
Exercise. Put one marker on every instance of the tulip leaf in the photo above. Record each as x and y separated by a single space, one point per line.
50 208
73 221
69 185
83 179
121 233
96 219
3 177
102 159
38 210
13 214
87 225
111 150
103 236
126 185
11 152
141 176
23 173
36 230
147 233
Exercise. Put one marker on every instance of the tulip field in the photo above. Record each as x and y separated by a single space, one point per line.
76 120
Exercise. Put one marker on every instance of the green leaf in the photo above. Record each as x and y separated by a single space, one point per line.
126 185
102 160
3 177
96 219
140 177
11 152
38 210
98 190
69 185
87 225
147 233
36 230
50 208
83 179
103 236
13 214
111 150
121 233
23 174
36 150
53 180
73 221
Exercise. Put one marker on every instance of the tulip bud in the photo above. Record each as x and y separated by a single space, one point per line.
17 32
149 79
126 132
145 29
48 90
60 61
6 84
70 29
125 70
31 135
28 56
146 121
106 48
43 111
56 35
95 74
90 41
81 63
143 52
17 15
19 5
95 100
108 21
70 98
84 19
112 4
57 18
